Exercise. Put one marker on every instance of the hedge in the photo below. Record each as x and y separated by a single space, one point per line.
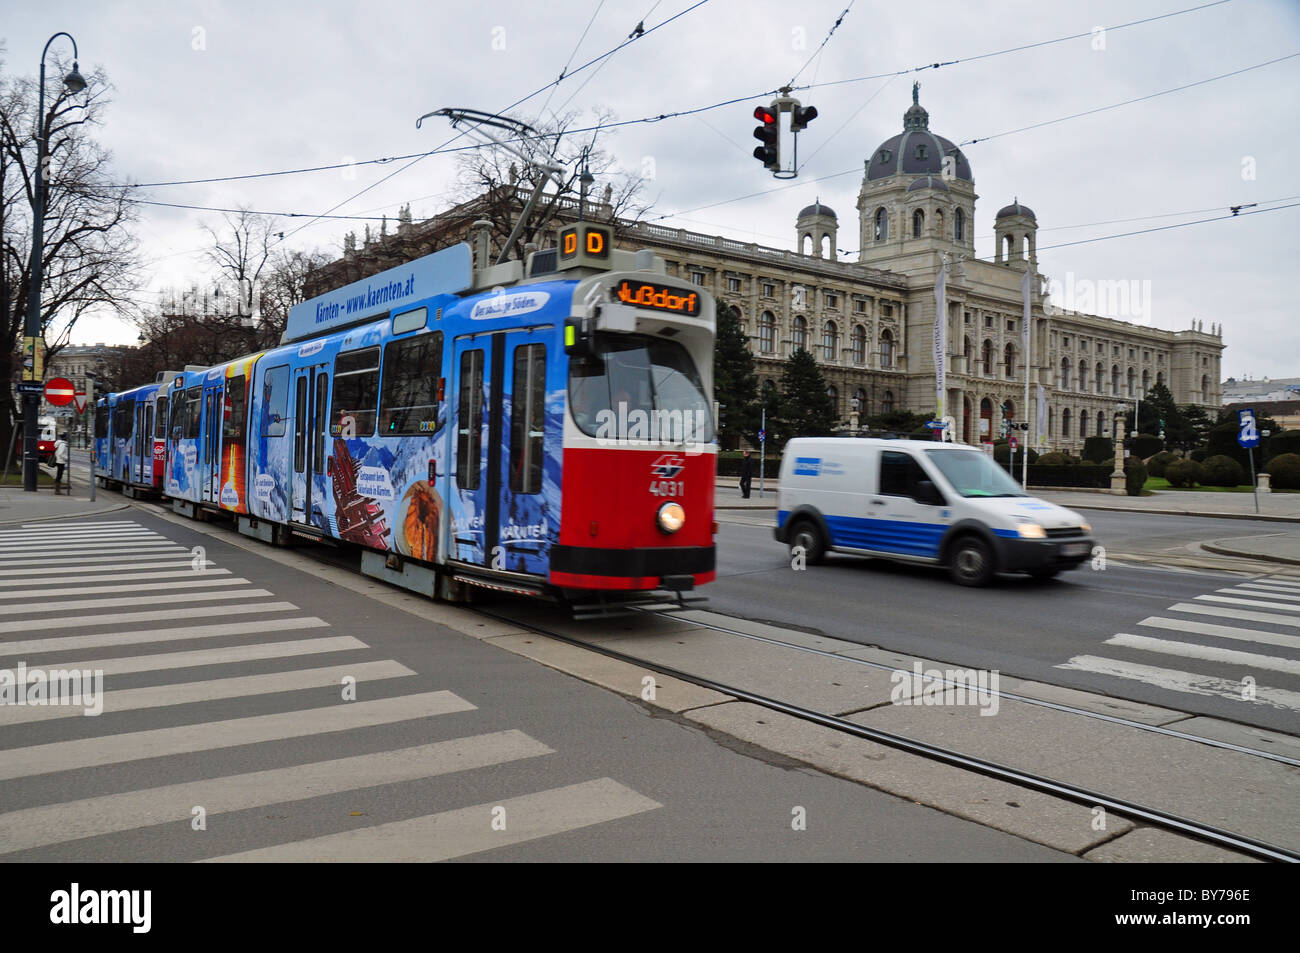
1284 472
1146 445
1222 470
1096 449
1156 465
1084 475
1283 442
1135 477
1183 473
729 464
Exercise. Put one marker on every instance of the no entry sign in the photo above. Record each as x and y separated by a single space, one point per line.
59 391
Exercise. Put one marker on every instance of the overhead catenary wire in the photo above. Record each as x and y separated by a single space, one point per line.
834 26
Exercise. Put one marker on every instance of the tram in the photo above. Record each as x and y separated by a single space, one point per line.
130 438
542 426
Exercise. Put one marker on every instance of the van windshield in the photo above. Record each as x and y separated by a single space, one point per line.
974 474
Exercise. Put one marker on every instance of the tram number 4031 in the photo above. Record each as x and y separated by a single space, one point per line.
667 487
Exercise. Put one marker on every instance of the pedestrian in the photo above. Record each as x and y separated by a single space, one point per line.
746 474
61 463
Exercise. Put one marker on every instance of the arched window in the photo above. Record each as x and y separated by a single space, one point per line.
825 246
1132 382
938 223
1099 376
1009 361
887 402
965 352
1065 423
767 332
860 396
959 226
1146 382
799 334
1065 373
986 356
1083 376
1205 389
882 225
1083 423
1050 413
859 344
1114 380
918 223
986 421
1101 423
830 341
833 396
1010 410
886 348
1160 377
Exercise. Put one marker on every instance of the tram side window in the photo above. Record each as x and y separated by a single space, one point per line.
124 419
469 423
527 418
176 427
318 422
409 400
193 410
101 420
356 391
233 426
160 421
275 401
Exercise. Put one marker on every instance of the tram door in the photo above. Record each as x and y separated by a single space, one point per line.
498 452
310 424
210 453
142 444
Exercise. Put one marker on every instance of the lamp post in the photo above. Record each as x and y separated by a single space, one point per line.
1118 484
75 83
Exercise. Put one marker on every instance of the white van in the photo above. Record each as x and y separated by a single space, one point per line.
921 501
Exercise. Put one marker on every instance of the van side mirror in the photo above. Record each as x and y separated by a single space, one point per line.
928 493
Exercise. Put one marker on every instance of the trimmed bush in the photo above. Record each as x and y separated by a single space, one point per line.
1222 442
1096 449
1082 475
1183 473
1200 455
1002 454
1058 458
1135 477
1283 442
1146 445
1156 465
1222 470
1284 472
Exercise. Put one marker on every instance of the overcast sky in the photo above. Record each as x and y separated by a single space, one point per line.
214 89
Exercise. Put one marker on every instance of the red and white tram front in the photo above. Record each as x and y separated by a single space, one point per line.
639 444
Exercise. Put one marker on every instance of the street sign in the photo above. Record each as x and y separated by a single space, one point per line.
59 391
31 387
1248 435
935 424
762 436
79 398
1014 443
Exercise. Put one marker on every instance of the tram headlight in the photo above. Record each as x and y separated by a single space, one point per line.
671 517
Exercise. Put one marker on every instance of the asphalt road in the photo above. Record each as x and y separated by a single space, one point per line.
1028 629
223 699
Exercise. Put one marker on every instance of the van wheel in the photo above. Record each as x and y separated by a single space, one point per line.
970 563
805 535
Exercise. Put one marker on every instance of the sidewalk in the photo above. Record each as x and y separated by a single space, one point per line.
19 506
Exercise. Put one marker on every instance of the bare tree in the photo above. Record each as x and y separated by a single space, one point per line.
286 285
241 253
502 184
89 258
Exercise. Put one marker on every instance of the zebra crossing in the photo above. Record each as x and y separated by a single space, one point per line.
1261 657
149 608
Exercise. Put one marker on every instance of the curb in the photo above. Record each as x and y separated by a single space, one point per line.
1243 554
1208 515
68 516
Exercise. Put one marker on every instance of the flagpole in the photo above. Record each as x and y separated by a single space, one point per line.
1028 349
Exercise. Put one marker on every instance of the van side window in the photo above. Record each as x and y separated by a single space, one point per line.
899 474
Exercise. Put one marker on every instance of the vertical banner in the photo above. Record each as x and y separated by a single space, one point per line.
1025 324
940 336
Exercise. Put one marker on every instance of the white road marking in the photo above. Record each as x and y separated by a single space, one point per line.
199 657
155 586
157 615
67 605
188 693
36 582
185 633
1258 603
467 830
171 562
111 813
1243 614
209 736
1178 681
1284 594
142 552
1208 652
1224 631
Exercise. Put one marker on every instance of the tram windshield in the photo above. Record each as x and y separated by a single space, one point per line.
635 387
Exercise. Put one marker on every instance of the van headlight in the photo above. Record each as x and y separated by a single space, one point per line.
1031 531
671 517
1085 528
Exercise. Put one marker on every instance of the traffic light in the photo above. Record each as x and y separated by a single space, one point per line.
801 116
769 134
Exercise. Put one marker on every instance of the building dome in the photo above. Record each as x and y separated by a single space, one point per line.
916 150
928 182
1015 208
817 209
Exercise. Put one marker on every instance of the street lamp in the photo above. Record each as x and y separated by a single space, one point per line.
75 83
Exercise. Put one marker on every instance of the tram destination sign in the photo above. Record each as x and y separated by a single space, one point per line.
645 294
444 272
